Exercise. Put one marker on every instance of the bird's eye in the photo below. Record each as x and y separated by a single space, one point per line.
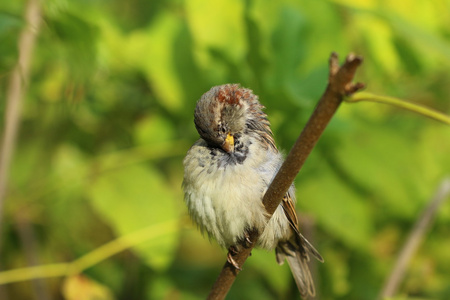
221 128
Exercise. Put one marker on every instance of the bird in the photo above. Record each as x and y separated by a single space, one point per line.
226 174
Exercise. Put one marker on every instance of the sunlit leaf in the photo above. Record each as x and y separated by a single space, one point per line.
135 197
217 24
153 129
379 37
157 42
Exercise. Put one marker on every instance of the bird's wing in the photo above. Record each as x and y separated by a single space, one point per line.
289 210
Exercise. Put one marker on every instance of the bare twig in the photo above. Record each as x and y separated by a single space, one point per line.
414 240
16 89
339 85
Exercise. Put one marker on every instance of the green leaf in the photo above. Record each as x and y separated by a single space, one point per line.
135 197
153 129
217 24
336 206
157 42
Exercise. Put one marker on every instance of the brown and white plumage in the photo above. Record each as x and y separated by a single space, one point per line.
227 172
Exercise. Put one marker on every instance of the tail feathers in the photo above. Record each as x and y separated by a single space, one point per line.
296 251
310 248
302 275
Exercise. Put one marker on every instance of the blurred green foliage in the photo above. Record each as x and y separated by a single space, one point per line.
108 117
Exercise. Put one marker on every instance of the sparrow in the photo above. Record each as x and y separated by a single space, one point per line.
226 174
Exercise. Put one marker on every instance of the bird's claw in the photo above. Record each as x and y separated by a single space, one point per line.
247 242
231 252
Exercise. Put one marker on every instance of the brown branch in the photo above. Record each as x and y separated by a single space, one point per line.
339 85
414 240
16 89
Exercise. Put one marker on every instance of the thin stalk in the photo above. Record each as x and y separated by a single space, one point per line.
92 258
422 110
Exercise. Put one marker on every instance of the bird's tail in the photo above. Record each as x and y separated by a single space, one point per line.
297 251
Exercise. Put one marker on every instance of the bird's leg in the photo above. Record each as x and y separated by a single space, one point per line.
232 251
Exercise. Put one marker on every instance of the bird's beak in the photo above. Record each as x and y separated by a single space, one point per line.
228 145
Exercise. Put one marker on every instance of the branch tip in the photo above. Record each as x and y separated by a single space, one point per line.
352 88
334 64
341 77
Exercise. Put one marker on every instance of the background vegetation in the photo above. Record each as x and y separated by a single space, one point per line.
108 116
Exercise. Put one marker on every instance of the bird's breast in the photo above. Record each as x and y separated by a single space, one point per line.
224 196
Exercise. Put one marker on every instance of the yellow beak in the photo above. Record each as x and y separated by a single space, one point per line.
228 145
